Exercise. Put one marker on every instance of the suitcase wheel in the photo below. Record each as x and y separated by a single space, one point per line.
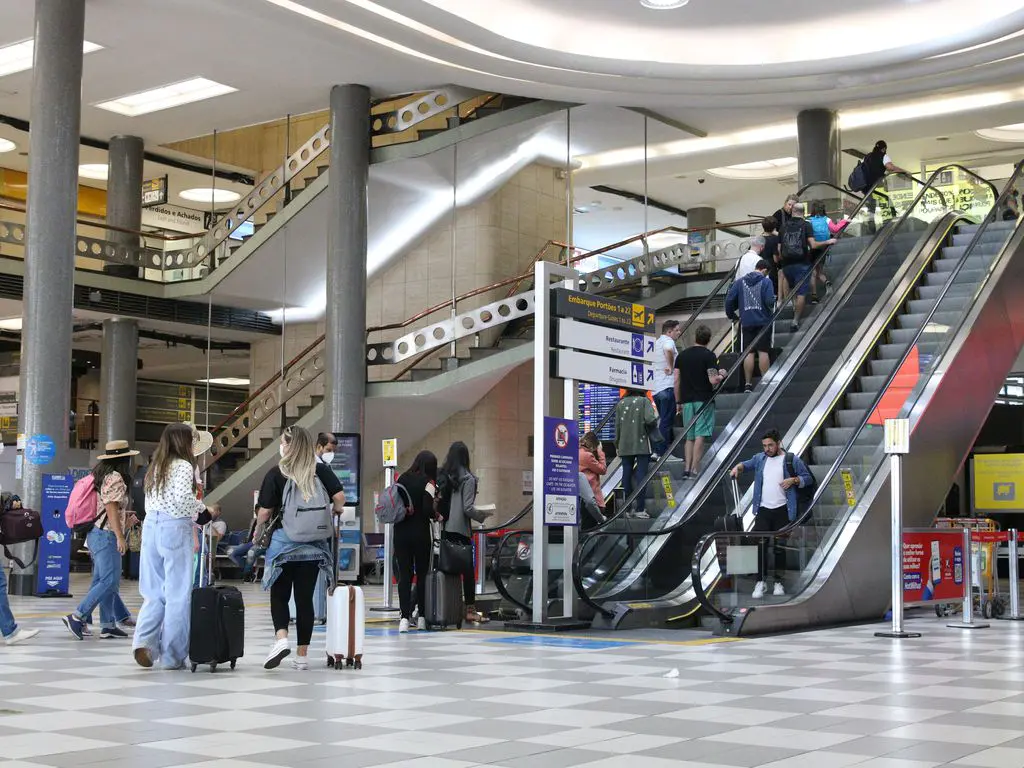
213 668
330 661
350 662
233 663
458 625
194 668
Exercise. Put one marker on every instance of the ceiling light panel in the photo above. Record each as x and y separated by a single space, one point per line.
17 57
166 97
1013 134
209 195
6 145
778 168
227 381
663 5
96 171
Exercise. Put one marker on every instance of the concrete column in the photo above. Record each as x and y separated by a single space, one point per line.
345 387
55 114
124 196
818 146
702 216
118 379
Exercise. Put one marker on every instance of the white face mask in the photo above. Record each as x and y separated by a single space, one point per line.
327 456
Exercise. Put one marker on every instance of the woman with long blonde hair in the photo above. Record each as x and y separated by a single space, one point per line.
165 565
293 566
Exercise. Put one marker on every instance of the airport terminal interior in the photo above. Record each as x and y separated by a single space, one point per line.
444 383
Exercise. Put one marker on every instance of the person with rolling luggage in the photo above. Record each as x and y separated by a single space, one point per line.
457 487
297 500
412 537
165 579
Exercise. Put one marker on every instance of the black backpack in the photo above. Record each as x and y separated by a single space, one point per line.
804 494
858 180
445 488
794 241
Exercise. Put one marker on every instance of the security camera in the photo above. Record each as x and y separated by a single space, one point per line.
701 179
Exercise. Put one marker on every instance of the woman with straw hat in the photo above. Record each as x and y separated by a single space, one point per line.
106 541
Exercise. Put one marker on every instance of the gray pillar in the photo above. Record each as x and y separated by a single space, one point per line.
118 379
818 146
702 216
124 196
345 383
49 260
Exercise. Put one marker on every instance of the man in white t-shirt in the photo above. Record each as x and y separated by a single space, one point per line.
664 389
748 262
775 500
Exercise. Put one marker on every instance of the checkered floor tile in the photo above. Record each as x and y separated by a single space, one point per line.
826 699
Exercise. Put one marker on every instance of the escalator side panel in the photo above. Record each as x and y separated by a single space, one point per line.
947 419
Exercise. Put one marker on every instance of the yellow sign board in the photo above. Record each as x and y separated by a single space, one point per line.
998 482
390 452
666 483
851 498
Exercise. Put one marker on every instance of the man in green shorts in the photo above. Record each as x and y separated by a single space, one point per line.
696 375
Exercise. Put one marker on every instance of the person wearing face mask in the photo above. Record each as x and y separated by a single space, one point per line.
326 445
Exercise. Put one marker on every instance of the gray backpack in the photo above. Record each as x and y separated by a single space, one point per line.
306 520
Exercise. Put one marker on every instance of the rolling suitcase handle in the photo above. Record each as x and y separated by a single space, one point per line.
205 546
735 488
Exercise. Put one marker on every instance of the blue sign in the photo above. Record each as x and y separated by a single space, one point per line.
562 642
40 450
53 577
561 471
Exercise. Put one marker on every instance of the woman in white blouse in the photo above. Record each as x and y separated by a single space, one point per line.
165 567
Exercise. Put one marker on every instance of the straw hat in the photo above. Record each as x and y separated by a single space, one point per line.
117 449
202 441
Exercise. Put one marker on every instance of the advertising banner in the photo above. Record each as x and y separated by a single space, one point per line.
53 577
933 566
347 465
561 471
998 482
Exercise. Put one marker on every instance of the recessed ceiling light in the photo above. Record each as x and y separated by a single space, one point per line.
1009 133
209 195
11 324
93 171
17 57
166 96
777 168
665 239
227 381
6 145
663 5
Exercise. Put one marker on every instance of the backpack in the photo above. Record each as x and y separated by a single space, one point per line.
83 505
794 241
138 493
306 520
858 180
394 505
805 494
445 489
820 226
18 526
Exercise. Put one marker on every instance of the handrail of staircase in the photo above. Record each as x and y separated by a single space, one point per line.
103 225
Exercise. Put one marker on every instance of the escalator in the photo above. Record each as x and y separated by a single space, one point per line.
648 583
937 353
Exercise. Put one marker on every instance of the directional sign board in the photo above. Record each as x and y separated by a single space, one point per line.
605 341
603 370
595 309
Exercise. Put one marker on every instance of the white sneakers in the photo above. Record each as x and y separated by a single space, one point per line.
760 588
21 635
300 663
421 624
278 651
403 626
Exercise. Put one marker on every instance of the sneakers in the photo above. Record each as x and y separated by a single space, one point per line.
641 515
759 590
129 622
143 657
86 629
21 635
748 388
794 327
109 633
74 625
403 626
779 590
300 664
421 624
278 651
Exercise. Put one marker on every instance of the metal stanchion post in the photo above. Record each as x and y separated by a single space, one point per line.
897 443
389 555
968 610
481 561
1014 579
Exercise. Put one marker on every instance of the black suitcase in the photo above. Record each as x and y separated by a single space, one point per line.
217 635
735 382
444 606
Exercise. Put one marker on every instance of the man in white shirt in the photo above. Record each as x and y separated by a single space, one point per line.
748 262
664 389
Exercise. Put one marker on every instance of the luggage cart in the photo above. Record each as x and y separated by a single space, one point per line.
988 600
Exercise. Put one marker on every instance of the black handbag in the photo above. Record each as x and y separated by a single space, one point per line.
455 557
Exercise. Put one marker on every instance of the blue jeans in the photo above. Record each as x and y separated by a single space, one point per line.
639 465
165 583
666 402
106 577
8 626
121 612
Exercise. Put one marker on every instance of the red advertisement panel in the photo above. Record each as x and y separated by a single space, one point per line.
933 566
990 537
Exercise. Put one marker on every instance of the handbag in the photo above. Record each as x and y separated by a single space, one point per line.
455 557
18 526
134 538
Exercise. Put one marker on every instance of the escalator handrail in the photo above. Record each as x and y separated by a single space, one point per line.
496 569
602 529
696 580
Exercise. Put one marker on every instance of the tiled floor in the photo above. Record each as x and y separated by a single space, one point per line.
825 699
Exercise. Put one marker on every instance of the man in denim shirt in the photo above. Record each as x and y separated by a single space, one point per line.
775 500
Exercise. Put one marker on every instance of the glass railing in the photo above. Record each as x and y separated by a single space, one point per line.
727 565
615 561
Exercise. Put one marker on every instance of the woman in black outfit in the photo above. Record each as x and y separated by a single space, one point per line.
412 537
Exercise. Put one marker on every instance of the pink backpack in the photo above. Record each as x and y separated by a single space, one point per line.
82 507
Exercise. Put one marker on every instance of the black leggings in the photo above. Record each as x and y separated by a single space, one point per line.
412 553
469 577
301 576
